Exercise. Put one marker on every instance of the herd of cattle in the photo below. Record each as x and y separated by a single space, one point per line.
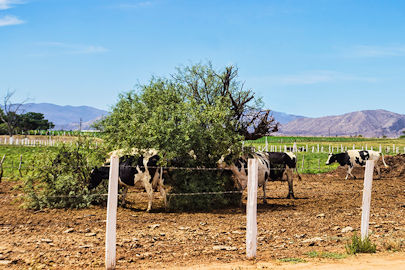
272 166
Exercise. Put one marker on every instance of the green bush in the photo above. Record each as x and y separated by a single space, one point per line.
59 179
186 182
358 245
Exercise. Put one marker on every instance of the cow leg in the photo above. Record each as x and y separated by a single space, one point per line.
163 192
124 194
349 172
149 191
264 192
289 173
299 176
378 170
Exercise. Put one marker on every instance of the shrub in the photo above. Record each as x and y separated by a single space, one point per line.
59 178
187 182
358 245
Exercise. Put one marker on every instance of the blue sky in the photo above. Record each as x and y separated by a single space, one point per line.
311 58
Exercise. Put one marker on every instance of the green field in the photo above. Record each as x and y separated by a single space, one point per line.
308 162
313 161
12 155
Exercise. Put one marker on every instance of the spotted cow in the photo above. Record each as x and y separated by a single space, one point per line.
133 168
353 158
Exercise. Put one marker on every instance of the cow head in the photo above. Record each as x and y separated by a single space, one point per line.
97 175
331 159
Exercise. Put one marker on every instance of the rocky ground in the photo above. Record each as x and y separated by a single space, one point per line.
324 216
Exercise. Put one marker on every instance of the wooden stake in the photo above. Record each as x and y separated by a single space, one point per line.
368 182
251 210
110 241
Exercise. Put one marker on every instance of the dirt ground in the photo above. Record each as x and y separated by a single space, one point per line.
322 219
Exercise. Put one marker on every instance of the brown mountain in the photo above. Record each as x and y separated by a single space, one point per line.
369 123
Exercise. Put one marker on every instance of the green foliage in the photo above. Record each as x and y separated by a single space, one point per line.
59 178
33 121
12 155
293 260
326 255
188 132
358 245
201 181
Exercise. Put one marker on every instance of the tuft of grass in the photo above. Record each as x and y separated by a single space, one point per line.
358 245
392 245
293 260
326 255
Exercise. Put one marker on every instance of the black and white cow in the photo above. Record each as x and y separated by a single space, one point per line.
282 166
132 170
272 166
239 170
353 158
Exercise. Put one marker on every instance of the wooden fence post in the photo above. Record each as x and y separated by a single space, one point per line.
368 182
251 210
110 236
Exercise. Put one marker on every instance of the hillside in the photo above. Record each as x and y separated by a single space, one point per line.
369 123
66 117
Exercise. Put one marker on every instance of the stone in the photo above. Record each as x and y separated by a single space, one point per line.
320 215
347 229
5 262
154 226
46 240
312 240
227 248
69 230
300 235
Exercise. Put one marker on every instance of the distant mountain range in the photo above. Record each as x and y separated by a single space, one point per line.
67 117
369 123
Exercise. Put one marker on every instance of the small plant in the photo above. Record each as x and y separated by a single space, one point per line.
360 246
59 177
392 245
293 260
326 255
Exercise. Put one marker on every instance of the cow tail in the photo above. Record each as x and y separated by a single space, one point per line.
382 155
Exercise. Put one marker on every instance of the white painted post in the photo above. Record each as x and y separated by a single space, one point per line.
380 149
302 165
285 148
368 182
318 147
295 148
111 234
251 209
354 147
322 149
267 145
366 147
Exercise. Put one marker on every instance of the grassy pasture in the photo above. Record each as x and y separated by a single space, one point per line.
12 158
308 162
314 162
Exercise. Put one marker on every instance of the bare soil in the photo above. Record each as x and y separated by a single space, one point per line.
288 229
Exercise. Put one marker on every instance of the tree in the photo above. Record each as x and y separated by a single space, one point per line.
158 115
32 121
9 112
187 133
205 84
